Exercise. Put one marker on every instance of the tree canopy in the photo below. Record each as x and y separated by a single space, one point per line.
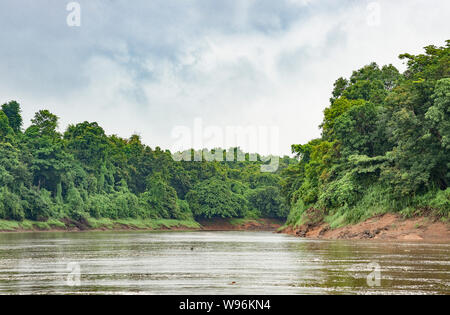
384 145
84 173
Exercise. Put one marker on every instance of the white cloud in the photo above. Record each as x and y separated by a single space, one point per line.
151 78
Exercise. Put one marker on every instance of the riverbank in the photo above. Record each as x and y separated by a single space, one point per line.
382 227
241 224
92 224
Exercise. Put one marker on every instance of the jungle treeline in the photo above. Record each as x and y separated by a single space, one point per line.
385 146
84 173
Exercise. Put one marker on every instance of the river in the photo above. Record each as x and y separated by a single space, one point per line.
216 263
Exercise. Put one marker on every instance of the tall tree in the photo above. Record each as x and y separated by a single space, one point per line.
5 129
45 122
13 112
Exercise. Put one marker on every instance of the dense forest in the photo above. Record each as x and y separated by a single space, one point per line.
385 146
83 173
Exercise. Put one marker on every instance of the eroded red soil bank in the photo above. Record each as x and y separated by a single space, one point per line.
384 227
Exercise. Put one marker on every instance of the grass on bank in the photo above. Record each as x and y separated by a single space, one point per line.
434 204
6 225
154 224
102 223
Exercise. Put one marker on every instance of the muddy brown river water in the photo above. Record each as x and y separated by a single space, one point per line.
216 263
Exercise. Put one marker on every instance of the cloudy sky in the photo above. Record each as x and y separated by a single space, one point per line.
149 66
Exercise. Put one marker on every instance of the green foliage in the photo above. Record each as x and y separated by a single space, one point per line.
125 204
434 202
339 107
99 206
85 174
106 223
75 204
5 129
385 145
45 123
38 205
10 206
183 211
267 201
160 200
440 204
12 111
214 198
88 143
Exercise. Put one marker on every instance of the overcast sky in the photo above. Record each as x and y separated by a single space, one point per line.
149 66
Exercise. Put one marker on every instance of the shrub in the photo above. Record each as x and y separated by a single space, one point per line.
267 201
10 205
214 198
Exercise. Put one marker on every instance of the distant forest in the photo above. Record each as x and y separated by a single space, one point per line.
84 173
385 147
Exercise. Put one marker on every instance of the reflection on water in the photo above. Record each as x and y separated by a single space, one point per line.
214 263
